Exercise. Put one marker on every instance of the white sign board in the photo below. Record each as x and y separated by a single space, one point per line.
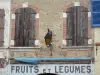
59 69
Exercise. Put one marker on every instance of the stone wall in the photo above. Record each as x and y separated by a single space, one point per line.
50 16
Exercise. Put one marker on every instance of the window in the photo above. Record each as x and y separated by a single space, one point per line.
25 27
77 26
2 16
95 10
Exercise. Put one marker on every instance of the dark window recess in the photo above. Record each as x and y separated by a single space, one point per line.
25 27
2 15
77 26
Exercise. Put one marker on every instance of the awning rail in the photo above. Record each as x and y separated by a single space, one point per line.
36 60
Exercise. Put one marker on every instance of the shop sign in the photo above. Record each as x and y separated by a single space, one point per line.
60 69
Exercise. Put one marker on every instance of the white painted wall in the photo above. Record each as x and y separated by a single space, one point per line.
97 57
5 4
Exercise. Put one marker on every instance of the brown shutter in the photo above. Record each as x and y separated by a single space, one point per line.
70 24
82 26
84 23
71 27
77 26
19 27
2 14
24 27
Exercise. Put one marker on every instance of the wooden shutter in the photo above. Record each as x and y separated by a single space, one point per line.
70 26
84 24
77 26
24 27
2 14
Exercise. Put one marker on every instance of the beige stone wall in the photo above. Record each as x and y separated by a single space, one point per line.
97 53
50 15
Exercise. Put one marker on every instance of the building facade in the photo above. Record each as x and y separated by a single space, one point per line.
24 24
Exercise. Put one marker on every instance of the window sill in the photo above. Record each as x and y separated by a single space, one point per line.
77 47
3 47
24 48
20 48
